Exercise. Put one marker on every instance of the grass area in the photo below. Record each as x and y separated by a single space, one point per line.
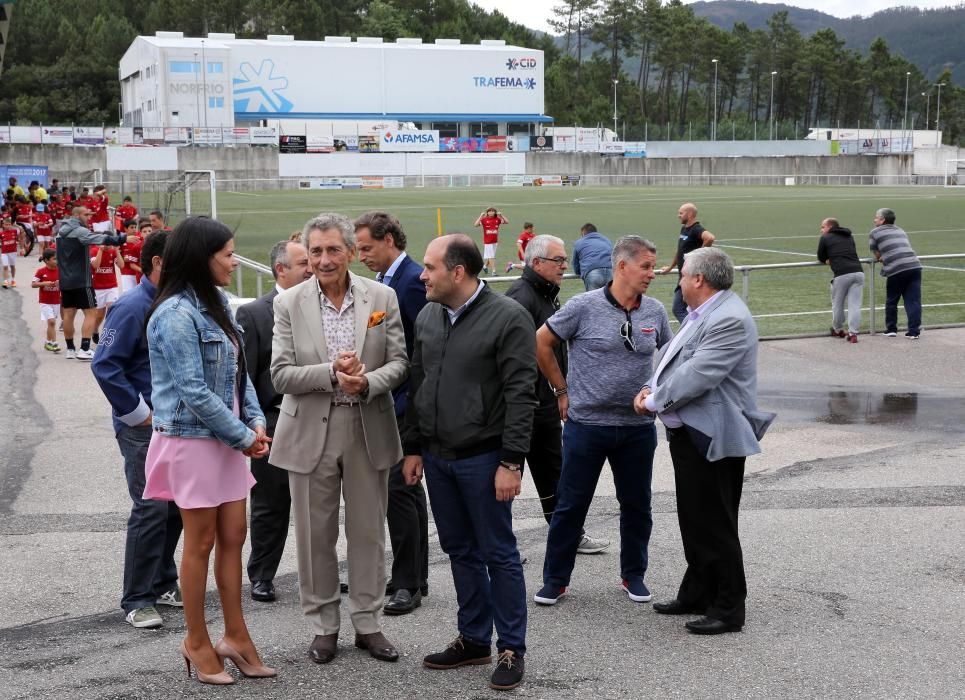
756 225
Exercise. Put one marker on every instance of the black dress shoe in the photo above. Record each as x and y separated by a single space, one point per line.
343 588
390 588
263 591
710 625
675 607
323 648
402 602
378 646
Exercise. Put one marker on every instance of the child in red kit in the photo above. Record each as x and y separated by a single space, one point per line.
47 280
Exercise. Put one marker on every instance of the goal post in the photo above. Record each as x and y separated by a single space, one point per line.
955 172
458 172
194 193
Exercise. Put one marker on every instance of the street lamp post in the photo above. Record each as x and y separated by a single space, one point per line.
904 122
773 73
938 115
713 133
615 82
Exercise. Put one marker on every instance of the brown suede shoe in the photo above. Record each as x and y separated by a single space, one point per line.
378 646
323 648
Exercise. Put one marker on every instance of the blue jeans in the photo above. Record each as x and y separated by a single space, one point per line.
476 531
153 529
679 308
596 278
629 449
903 285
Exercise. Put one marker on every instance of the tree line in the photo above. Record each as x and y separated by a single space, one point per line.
62 59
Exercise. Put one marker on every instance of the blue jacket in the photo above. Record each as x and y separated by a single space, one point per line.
194 370
411 292
121 365
591 252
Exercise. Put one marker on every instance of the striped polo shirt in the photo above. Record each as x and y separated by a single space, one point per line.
896 253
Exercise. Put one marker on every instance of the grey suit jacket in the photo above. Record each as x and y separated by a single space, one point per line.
711 380
300 370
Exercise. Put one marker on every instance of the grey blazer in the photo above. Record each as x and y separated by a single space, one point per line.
711 380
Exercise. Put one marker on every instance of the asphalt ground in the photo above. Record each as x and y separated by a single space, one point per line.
852 523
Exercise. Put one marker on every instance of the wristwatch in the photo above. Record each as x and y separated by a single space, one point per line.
510 466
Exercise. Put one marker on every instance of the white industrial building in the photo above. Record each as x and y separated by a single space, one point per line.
168 80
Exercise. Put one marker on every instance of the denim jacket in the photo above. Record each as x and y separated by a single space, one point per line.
194 369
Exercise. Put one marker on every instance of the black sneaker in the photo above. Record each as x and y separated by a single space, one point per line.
459 653
509 671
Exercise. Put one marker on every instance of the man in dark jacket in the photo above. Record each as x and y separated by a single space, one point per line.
74 240
468 423
537 291
270 497
836 248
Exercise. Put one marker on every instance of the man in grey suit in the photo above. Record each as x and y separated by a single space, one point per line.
704 389
338 351
270 498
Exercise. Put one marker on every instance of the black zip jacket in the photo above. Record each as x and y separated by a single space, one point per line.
837 245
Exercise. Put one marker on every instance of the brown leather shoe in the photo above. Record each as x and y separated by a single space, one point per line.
323 648
378 646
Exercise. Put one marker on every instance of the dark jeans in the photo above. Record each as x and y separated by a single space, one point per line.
407 516
545 458
270 514
708 498
153 529
679 308
476 531
629 449
903 285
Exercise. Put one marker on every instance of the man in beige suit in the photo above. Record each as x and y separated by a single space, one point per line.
338 351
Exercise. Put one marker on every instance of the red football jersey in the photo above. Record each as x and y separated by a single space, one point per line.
48 295
490 227
127 211
131 253
25 213
105 275
9 239
98 210
43 224
524 238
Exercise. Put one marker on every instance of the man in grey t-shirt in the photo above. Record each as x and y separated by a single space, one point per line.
902 270
613 334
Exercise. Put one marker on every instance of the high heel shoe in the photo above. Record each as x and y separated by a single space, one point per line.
212 679
225 650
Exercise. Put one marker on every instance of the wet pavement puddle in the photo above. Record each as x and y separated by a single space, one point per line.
850 407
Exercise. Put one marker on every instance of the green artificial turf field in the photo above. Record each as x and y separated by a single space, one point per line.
755 225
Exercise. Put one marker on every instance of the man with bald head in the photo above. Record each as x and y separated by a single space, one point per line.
692 237
468 424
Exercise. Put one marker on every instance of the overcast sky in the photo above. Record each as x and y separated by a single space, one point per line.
533 13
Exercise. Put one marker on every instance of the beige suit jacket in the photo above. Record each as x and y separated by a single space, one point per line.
300 370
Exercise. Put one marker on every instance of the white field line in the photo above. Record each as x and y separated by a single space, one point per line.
245 194
828 311
947 269
767 250
816 236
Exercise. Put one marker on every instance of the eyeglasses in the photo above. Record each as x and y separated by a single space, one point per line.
626 332
559 260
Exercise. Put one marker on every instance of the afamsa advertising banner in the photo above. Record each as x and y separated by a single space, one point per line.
408 141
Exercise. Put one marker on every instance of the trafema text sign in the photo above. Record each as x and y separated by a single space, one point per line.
505 82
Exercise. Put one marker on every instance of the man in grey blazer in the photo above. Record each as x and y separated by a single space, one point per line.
338 351
704 389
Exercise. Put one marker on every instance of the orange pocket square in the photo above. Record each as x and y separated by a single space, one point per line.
376 318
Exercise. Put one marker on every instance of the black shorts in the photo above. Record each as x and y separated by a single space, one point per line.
82 298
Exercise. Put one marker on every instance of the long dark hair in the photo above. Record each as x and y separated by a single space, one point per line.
187 255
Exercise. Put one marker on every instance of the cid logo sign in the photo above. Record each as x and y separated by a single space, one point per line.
526 63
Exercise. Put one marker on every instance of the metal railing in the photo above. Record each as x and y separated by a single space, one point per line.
261 271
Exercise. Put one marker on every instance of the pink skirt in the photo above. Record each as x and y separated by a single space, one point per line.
195 472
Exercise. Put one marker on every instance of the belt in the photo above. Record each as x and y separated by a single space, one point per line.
345 403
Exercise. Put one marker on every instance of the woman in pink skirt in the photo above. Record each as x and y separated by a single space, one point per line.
206 422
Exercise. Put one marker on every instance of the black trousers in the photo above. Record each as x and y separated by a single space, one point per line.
270 514
407 516
545 458
708 498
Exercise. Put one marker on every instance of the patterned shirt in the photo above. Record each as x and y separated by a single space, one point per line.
339 327
896 252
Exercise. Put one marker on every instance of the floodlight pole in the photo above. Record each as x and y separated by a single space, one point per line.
938 116
204 79
615 82
713 133
904 122
771 129
927 96
197 93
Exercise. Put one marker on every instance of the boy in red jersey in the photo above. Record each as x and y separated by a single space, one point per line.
100 218
490 220
130 257
104 277
11 242
47 280
126 211
525 237
43 227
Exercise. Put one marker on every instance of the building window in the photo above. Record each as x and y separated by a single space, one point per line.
184 67
217 67
216 102
446 129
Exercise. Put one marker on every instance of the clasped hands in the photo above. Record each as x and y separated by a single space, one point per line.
259 448
350 373
639 406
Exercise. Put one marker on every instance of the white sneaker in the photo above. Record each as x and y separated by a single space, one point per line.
172 598
891 335
144 618
591 545
85 355
71 354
